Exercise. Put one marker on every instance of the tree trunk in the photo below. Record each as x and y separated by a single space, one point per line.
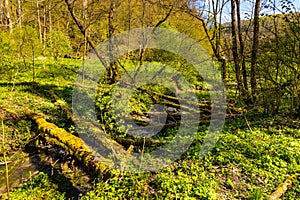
241 41
45 25
224 71
235 49
84 5
19 14
255 51
83 30
50 17
1 12
112 71
221 59
7 11
39 20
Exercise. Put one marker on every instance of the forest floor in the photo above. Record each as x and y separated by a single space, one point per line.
253 156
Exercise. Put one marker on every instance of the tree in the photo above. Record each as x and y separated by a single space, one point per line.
19 13
279 47
58 44
38 15
242 47
8 17
236 56
211 26
254 51
27 44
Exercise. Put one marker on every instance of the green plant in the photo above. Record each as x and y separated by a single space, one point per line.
39 187
256 194
58 44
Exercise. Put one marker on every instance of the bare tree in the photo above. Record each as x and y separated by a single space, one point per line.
82 29
213 33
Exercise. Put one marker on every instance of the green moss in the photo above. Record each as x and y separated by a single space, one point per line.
72 144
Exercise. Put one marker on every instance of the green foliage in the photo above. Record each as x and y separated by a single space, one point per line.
230 184
38 187
256 194
126 186
58 44
279 64
6 50
8 56
244 163
19 51
105 113
26 43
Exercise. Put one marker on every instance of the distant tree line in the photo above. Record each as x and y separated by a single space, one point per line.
258 56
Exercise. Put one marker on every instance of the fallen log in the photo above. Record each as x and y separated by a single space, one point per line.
173 101
118 141
282 188
96 164
147 142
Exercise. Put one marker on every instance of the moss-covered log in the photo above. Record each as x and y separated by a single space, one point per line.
282 188
96 165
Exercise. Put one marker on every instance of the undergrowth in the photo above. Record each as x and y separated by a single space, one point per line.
244 164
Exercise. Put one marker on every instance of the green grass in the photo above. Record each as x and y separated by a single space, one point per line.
242 165
39 187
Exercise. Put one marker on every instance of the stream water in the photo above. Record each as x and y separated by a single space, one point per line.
20 170
28 165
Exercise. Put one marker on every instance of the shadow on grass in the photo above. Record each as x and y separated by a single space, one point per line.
63 184
50 93
44 90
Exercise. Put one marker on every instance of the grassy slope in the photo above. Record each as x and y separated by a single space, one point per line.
243 164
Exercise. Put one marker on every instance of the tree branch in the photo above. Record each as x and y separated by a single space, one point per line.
83 31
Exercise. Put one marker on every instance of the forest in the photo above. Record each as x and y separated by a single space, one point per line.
149 99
